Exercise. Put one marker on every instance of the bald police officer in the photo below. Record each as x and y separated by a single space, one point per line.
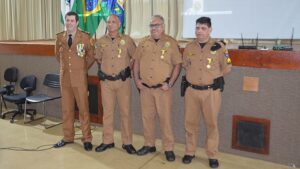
205 62
74 51
156 67
113 53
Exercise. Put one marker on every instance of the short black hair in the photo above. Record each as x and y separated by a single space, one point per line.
204 20
71 13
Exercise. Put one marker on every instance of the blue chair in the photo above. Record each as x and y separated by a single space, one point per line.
11 76
50 81
28 84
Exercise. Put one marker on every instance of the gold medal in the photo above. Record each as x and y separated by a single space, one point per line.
80 49
122 42
209 61
119 52
162 53
167 44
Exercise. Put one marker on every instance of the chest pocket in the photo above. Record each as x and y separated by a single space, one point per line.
104 49
191 59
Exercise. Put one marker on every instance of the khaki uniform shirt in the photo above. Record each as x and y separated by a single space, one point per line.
114 55
203 65
74 61
157 59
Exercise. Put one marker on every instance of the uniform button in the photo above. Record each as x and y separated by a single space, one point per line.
69 64
69 57
70 71
69 50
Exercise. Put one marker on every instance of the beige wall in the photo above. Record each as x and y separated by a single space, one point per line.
278 100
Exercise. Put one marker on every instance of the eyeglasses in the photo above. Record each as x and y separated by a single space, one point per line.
155 26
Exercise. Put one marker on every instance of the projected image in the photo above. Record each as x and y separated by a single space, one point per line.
196 7
254 19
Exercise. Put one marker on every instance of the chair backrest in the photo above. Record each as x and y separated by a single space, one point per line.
11 74
28 82
52 80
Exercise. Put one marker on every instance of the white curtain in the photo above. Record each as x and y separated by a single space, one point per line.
24 20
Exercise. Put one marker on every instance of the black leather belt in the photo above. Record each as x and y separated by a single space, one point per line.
123 75
158 85
205 87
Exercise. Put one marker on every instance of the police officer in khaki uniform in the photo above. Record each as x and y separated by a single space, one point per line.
205 62
113 53
74 52
156 67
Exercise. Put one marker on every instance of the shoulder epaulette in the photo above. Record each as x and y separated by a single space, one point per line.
144 39
60 32
223 42
171 38
83 31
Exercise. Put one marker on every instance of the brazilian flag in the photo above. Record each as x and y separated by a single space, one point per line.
88 11
91 12
116 7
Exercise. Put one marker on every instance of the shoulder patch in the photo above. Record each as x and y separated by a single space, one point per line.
215 47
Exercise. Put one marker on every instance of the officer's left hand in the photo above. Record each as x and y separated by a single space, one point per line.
165 86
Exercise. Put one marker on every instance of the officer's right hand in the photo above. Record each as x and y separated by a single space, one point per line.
139 84
165 86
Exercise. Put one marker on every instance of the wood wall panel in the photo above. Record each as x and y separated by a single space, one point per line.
27 49
285 60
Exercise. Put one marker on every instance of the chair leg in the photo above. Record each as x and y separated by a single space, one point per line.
25 110
9 112
20 111
31 112
12 120
1 107
3 101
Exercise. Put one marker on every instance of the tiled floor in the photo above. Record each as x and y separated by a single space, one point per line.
73 156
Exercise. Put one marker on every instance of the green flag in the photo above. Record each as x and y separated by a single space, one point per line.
91 12
88 11
116 7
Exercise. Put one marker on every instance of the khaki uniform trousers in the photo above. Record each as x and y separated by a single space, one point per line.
157 101
112 92
208 102
68 106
